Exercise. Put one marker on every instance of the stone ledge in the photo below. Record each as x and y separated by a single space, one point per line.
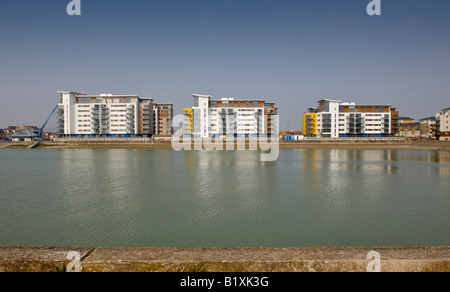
265 259
334 259
38 259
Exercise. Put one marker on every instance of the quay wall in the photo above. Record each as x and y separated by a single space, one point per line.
318 259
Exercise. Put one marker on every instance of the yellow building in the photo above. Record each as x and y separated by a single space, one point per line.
188 121
310 124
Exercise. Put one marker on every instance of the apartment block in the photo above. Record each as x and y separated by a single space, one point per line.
428 128
163 114
411 131
83 115
227 116
334 119
443 124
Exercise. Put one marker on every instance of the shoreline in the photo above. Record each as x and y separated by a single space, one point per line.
294 259
369 145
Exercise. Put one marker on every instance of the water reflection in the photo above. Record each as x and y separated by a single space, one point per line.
343 160
129 197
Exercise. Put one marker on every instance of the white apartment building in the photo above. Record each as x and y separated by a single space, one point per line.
105 114
443 119
227 116
334 119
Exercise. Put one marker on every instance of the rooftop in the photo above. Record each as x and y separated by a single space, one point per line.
330 100
428 119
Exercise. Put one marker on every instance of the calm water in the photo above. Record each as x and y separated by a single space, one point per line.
130 197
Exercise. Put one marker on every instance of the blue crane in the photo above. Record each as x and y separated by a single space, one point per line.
42 129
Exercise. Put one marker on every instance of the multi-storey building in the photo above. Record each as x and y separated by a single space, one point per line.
428 128
335 119
163 114
227 116
106 115
405 120
411 131
443 123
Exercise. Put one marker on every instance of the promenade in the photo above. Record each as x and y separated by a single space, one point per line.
313 259
308 144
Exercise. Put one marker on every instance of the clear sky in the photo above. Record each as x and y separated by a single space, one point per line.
292 52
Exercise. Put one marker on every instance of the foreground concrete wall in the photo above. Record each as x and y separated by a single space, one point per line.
38 259
116 259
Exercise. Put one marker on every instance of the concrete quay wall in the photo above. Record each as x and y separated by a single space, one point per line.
122 259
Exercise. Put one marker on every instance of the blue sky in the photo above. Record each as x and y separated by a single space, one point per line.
292 52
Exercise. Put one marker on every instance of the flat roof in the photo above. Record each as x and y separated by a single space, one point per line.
71 92
389 105
430 118
240 100
332 100
109 95
201 95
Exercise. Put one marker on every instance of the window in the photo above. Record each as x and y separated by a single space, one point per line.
84 100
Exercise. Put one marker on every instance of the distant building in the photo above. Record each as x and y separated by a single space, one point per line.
428 128
443 124
412 131
3 134
82 115
27 135
291 135
334 119
406 120
227 116
163 114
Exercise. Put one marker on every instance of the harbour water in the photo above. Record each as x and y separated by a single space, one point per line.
164 198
